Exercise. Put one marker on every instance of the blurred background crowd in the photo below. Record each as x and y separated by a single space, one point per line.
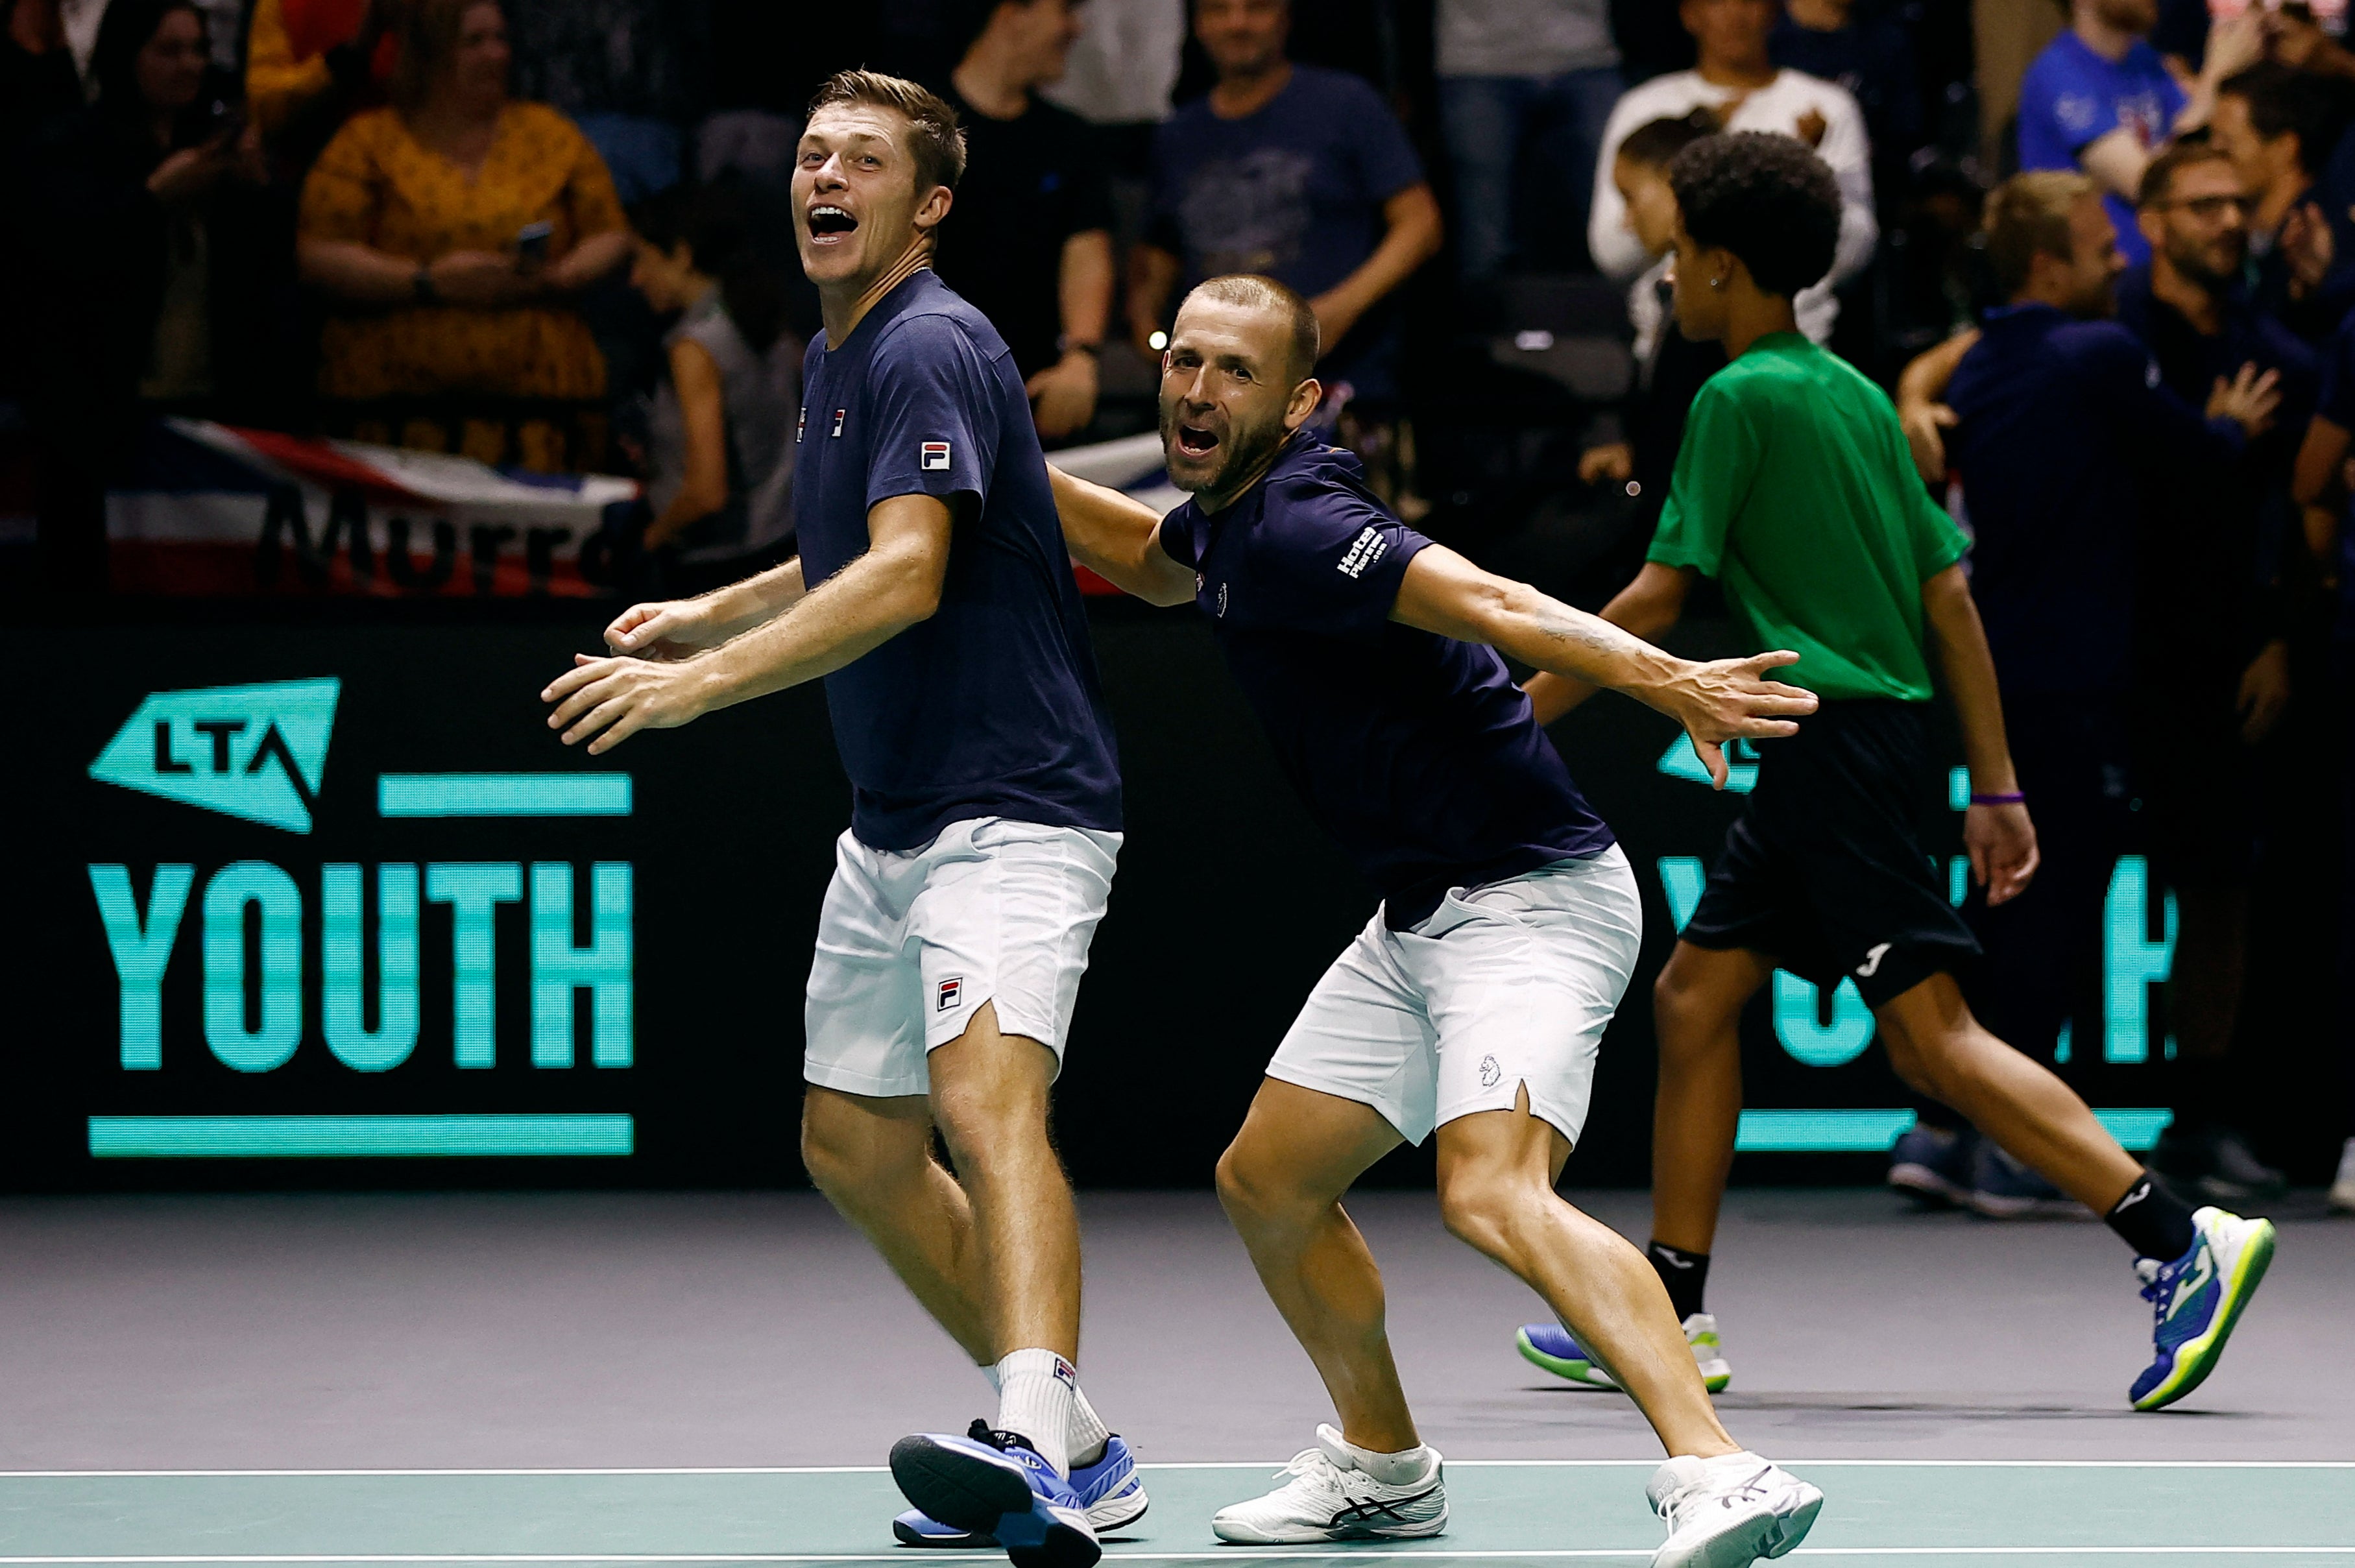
554 235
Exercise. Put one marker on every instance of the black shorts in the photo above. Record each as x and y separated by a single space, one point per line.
1824 872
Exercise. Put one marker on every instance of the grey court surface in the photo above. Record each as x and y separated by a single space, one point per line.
585 1378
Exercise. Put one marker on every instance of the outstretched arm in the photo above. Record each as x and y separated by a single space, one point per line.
1644 608
1999 838
1119 539
1446 594
1921 403
891 588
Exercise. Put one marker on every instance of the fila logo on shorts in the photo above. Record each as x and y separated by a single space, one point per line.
932 455
952 995
838 414
1364 551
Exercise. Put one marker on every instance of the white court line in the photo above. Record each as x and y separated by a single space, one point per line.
1184 1465
1219 1552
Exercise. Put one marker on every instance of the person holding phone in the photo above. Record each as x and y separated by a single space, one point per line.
453 228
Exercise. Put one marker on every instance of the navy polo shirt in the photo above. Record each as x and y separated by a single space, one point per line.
1416 751
2062 424
991 707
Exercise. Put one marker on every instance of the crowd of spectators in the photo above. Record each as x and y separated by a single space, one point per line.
552 234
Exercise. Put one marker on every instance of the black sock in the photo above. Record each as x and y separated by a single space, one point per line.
2152 1220
1685 1274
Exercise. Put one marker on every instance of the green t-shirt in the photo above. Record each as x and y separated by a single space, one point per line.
1793 487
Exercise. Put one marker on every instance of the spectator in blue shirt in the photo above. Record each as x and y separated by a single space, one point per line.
1299 173
2100 99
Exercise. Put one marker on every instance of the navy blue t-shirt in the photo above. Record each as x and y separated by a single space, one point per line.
2209 597
1294 191
991 707
2064 423
1416 751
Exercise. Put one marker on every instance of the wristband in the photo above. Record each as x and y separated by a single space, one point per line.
2014 798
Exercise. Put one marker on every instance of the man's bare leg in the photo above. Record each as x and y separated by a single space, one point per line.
1281 1181
1696 1013
872 1157
993 1251
1497 1171
1940 1050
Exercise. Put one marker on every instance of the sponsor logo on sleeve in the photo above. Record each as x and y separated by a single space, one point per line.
1364 551
933 455
801 423
951 996
838 416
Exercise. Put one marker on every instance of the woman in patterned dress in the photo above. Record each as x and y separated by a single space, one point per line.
453 228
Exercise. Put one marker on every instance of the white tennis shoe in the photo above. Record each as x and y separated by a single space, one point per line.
1325 1497
1728 1511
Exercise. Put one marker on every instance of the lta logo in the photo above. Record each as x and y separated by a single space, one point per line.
254 751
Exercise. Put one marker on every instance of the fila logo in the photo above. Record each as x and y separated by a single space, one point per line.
932 455
1871 964
1364 551
801 423
838 414
952 995
1067 1374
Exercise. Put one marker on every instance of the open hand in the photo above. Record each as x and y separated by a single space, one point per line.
2248 399
666 630
1729 699
613 699
2001 843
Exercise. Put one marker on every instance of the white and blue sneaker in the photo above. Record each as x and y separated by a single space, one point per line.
2196 1299
1550 1344
1327 1495
1110 1491
995 1484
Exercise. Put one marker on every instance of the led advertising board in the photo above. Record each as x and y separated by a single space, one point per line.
321 904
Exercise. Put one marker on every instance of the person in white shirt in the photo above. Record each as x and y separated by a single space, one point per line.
1735 79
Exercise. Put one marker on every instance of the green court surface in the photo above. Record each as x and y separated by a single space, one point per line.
2061 1515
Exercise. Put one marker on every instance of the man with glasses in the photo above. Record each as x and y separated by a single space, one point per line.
2213 664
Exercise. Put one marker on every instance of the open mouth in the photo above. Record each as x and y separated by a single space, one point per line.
827 225
1193 440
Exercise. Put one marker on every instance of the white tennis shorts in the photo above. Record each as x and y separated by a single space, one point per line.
912 943
1507 984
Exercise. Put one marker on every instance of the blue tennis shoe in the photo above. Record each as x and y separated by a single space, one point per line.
1110 1491
1550 1344
995 1484
2196 1299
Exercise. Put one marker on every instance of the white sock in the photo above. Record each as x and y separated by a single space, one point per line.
1035 1392
1089 1433
1399 1469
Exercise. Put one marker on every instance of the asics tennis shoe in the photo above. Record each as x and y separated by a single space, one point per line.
1326 1496
1550 1344
1728 1511
1110 1490
2196 1299
995 1484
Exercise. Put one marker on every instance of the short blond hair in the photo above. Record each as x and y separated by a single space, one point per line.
2028 217
935 140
